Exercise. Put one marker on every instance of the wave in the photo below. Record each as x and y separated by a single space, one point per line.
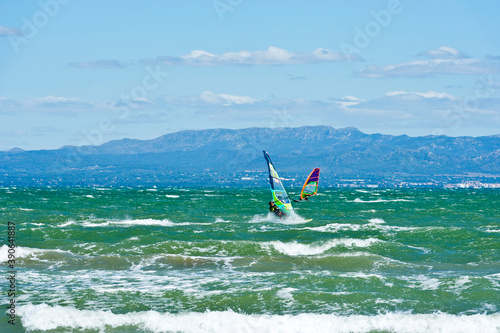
164 223
489 229
138 222
270 217
374 224
172 196
376 221
297 249
65 224
45 317
24 252
336 227
358 200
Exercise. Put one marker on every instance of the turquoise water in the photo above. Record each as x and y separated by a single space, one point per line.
214 260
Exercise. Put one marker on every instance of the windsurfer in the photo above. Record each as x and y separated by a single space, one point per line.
275 209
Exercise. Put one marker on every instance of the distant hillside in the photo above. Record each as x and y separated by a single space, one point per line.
342 152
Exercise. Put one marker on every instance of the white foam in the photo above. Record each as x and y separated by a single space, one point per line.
128 223
271 217
171 196
462 283
263 218
376 221
362 275
70 222
489 229
336 227
19 252
285 293
93 224
297 249
294 219
164 223
23 252
45 317
358 200
423 282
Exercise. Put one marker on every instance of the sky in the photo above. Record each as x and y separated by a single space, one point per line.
87 72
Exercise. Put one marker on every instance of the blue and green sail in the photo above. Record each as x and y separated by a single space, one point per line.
280 197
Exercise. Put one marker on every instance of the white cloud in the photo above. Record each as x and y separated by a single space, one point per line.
97 64
272 56
347 101
209 98
443 60
6 103
428 94
61 102
443 52
5 31
431 67
232 99
410 112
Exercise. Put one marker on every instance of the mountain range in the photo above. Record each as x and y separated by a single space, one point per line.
180 156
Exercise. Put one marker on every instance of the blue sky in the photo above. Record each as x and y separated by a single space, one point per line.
86 72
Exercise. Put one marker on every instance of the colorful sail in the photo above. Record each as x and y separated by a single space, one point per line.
280 197
310 187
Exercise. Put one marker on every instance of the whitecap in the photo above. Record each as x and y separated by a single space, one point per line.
376 221
298 249
70 222
285 293
24 252
45 317
336 227
164 223
358 200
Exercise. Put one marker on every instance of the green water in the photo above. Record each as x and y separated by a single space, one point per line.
179 252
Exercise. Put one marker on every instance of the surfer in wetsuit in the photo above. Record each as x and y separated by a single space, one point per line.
306 199
273 208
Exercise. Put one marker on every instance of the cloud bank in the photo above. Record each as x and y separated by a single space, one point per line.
443 61
272 56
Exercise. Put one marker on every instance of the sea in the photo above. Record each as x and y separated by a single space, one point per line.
215 260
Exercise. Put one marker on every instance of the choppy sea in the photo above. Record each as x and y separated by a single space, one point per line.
215 260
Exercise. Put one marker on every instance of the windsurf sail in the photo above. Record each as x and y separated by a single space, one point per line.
280 197
310 187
